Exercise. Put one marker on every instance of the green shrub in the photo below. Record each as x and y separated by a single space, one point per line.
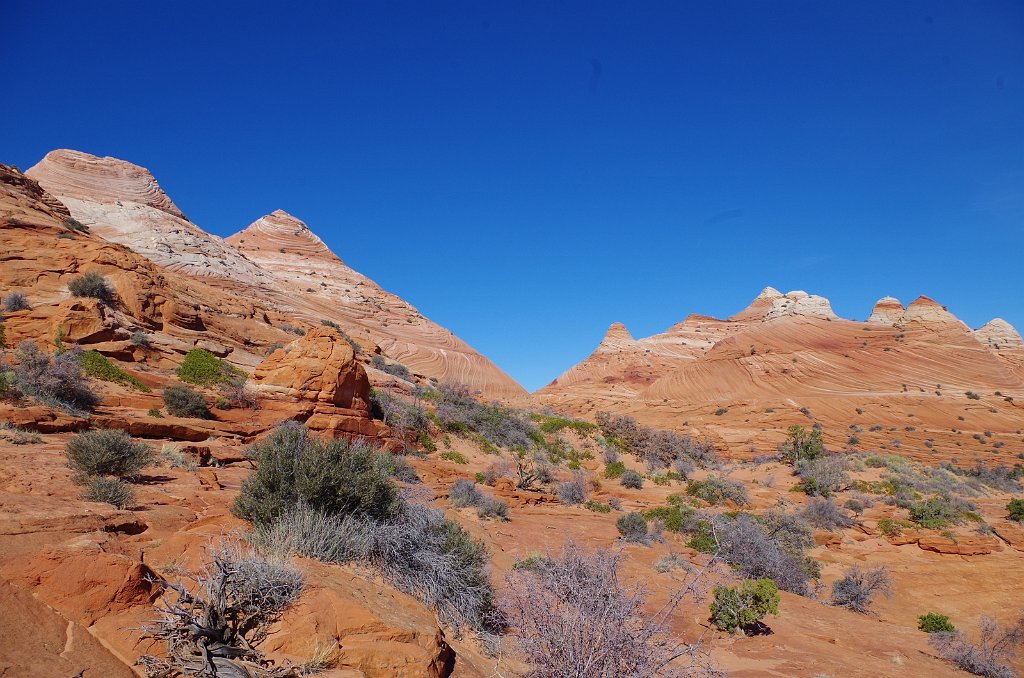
106 452
113 491
703 539
736 608
394 369
202 368
91 285
1016 509
555 424
452 455
890 527
934 513
935 623
632 526
614 469
336 477
181 401
154 412
98 366
675 516
801 444
596 506
717 490
631 479
222 403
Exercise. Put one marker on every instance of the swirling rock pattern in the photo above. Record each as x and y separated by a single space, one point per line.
277 259
788 359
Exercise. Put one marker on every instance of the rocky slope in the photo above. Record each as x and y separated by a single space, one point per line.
905 372
277 260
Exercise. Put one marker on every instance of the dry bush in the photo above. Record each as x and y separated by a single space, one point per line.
575 491
823 476
989 656
113 491
655 447
210 627
757 552
16 301
181 401
56 381
824 514
857 587
106 452
571 617
91 285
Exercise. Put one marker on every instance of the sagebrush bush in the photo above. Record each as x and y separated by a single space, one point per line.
489 507
416 548
742 607
91 285
990 656
823 514
631 479
935 623
573 492
632 527
293 467
464 493
394 369
16 301
56 381
1015 509
570 616
755 553
717 490
823 476
858 586
655 447
181 401
106 452
935 513
614 469
500 427
113 491
408 419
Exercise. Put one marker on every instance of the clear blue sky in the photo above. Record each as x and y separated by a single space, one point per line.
527 173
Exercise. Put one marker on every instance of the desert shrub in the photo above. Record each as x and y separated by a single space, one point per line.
614 469
237 594
175 458
988 657
971 395
408 419
744 606
615 503
655 447
790 531
675 517
394 369
501 427
140 339
106 452
18 436
596 506
632 526
631 479
98 366
181 401
416 549
56 380
16 301
854 505
801 444
857 587
464 493
489 507
293 467
113 491
573 491
823 476
75 225
683 467
1015 509
999 477
398 467
891 528
934 513
825 515
202 368
717 490
91 285
554 424
453 456
559 606
743 543
935 623
154 412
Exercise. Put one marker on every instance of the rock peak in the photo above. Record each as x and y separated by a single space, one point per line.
283 232
999 333
74 174
887 310
616 336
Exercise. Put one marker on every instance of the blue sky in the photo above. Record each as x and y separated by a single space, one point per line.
527 173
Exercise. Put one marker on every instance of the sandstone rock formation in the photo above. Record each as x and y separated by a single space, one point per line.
277 259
